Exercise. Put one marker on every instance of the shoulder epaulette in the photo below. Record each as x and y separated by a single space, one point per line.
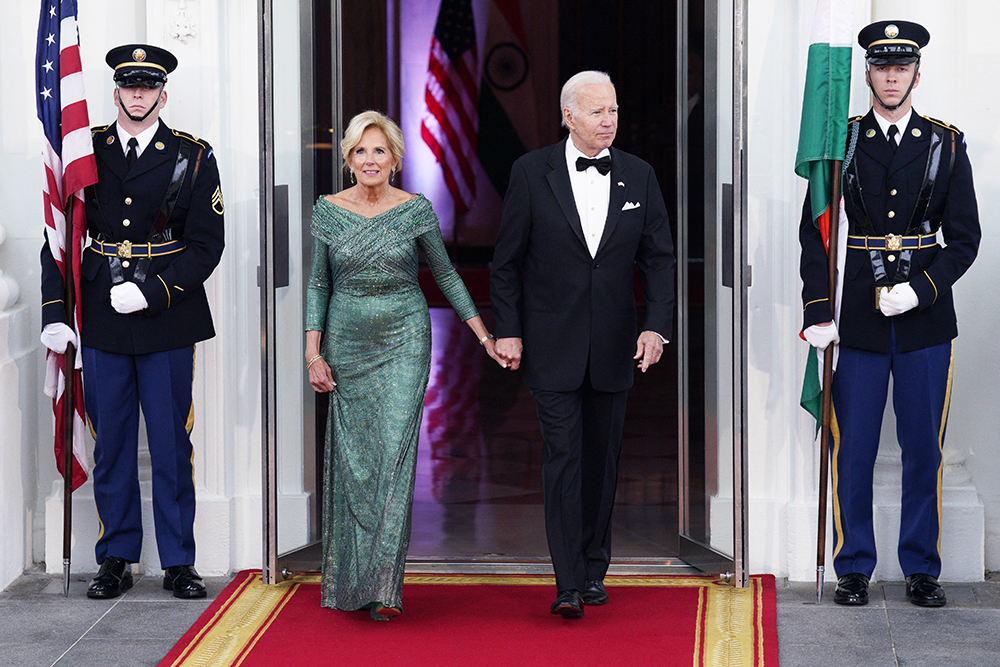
189 137
947 126
97 129
854 119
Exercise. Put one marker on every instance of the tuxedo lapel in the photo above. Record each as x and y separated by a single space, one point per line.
558 179
616 198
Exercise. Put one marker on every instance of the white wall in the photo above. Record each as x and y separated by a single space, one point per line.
213 94
783 457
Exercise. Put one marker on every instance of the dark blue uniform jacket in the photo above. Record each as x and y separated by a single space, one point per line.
128 201
891 183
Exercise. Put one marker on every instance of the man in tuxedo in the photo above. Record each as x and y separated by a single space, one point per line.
155 220
578 218
907 180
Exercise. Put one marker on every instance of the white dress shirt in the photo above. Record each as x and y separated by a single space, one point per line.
900 125
143 138
591 192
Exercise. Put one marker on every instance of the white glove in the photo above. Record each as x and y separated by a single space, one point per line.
57 336
821 336
898 300
127 298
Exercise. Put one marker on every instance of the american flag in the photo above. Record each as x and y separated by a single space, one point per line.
452 95
68 154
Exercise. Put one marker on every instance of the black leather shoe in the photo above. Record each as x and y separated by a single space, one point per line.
568 604
184 581
594 592
925 591
852 589
113 578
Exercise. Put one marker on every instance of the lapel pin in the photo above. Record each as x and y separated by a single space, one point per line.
620 184
870 133
159 145
916 132
111 140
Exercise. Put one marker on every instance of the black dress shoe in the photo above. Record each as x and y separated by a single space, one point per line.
594 592
113 578
925 591
852 589
184 581
568 604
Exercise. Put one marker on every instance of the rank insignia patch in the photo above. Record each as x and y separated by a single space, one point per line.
217 204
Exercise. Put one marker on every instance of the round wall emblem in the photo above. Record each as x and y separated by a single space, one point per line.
891 31
139 55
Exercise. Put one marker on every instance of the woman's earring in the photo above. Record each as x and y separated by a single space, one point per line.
392 174
352 178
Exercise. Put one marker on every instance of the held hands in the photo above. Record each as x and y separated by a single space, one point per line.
648 348
821 335
491 349
898 300
127 298
508 352
57 336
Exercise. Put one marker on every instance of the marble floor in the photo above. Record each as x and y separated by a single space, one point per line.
478 489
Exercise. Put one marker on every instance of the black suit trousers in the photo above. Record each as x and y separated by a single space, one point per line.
582 434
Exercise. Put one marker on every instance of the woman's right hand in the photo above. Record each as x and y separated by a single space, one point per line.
321 377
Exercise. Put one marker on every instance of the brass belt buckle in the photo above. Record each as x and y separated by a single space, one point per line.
124 249
893 243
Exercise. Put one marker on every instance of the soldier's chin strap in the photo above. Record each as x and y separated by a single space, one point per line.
138 119
916 70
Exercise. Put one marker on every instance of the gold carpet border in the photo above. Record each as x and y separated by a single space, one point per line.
237 626
729 628
733 631
530 580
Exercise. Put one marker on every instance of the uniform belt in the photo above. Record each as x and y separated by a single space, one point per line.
892 242
128 250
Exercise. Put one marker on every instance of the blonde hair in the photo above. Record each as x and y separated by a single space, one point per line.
571 90
365 120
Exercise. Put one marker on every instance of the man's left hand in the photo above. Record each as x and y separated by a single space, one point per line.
649 349
127 298
898 300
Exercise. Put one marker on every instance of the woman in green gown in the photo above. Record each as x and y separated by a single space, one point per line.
368 341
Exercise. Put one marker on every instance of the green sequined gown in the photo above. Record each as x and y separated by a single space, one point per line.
364 296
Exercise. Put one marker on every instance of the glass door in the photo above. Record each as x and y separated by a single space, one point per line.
291 468
712 287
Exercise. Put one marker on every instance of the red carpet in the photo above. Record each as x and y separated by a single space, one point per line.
488 620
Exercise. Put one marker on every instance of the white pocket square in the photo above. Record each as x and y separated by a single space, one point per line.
629 206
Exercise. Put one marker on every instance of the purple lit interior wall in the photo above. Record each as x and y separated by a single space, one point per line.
538 119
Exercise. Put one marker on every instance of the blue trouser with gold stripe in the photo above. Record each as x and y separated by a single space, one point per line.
115 386
921 391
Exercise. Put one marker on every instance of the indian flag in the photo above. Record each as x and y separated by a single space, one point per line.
823 135
507 124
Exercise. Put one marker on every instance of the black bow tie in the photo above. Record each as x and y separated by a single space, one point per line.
603 164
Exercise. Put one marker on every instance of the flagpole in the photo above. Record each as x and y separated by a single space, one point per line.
69 405
827 401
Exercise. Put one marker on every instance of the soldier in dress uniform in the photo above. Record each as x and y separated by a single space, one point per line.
155 222
907 181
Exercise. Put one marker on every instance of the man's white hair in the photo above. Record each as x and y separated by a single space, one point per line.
571 89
